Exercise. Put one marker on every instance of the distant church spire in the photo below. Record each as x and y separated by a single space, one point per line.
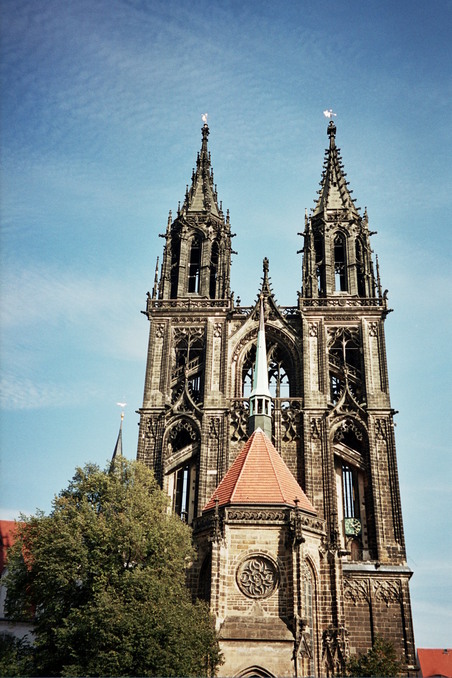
260 397
117 452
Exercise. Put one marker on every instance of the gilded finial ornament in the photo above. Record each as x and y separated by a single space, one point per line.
204 117
329 113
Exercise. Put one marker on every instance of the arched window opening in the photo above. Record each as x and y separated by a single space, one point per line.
188 361
360 269
174 272
278 371
345 363
194 270
248 372
319 263
182 450
340 263
278 379
213 270
255 672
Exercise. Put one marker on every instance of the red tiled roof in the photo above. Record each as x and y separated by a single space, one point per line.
435 662
259 476
7 539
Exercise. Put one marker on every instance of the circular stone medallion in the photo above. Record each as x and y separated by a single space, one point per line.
257 577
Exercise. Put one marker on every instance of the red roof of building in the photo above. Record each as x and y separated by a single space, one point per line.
435 662
7 539
259 476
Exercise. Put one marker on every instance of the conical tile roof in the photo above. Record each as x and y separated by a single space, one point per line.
259 476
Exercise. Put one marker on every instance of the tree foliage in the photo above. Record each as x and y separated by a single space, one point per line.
104 575
380 660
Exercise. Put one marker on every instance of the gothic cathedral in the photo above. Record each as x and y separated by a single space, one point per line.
271 429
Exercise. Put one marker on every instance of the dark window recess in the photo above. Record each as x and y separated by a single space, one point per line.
175 256
360 269
319 263
195 265
213 270
340 263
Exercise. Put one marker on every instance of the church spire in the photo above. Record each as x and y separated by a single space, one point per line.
260 397
337 252
334 193
197 253
202 195
117 452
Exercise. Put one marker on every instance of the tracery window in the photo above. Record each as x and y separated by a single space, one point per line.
182 451
213 270
174 272
360 280
194 270
188 361
319 263
345 363
350 444
278 371
340 263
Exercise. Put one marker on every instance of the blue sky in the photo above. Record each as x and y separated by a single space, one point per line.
100 126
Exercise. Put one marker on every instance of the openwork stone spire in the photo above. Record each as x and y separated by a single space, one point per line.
334 193
260 397
202 195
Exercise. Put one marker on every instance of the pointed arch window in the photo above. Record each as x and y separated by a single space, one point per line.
360 268
319 263
340 263
188 367
214 270
194 271
278 371
181 483
345 363
174 273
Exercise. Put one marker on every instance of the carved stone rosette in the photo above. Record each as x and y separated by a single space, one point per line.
257 577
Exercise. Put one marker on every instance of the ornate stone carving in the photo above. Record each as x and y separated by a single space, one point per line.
356 590
380 429
313 330
315 429
214 428
183 424
290 422
257 577
347 426
256 515
239 420
387 590
217 330
373 329
160 331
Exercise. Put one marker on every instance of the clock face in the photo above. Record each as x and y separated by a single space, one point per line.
352 527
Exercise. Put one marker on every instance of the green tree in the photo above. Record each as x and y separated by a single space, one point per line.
380 660
104 575
15 656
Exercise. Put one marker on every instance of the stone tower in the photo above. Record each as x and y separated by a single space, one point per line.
333 555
